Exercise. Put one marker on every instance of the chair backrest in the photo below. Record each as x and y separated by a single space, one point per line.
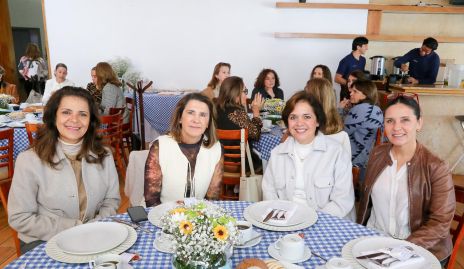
459 213
135 177
6 152
130 107
111 129
230 140
457 243
31 130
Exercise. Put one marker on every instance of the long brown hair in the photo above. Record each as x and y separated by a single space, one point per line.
176 128
214 80
106 74
33 51
325 72
321 89
369 89
231 88
259 83
47 136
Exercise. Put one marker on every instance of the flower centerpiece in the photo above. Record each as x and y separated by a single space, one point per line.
202 233
274 108
5 99
120 65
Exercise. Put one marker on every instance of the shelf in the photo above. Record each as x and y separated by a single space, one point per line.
377 7
380 37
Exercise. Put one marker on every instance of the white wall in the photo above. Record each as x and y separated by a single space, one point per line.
176 43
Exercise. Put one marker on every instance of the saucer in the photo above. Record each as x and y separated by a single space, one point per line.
165 247
252 243
276 255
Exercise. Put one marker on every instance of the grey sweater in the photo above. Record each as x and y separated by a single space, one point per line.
112 96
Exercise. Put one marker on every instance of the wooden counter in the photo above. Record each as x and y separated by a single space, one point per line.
441 133
428 89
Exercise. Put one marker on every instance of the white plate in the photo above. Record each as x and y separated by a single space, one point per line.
163 246
15 124
265 130
154 216
351 249
276 255
252 243
54 252
92 238
298 217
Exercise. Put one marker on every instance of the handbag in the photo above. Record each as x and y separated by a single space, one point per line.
250 187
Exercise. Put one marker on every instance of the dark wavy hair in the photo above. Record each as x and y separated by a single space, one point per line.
47 136
303 96
176 128
325 72
259 84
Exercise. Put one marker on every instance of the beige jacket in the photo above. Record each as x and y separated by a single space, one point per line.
44 201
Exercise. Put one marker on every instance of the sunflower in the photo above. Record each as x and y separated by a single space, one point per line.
177 210
221 232
186 227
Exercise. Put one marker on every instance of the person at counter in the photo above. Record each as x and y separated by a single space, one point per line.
423 63
351 62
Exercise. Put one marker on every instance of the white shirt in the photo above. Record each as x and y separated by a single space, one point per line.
51 86
344 140
390 202
301 152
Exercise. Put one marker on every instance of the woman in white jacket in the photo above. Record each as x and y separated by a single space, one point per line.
67 178
309 167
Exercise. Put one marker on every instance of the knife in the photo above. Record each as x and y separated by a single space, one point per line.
370 256
269 216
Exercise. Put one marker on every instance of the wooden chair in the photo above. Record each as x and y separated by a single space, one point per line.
116 110
232 161
454 255
31 130
111 134
459 213
6 174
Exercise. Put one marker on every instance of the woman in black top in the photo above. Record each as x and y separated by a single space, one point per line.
267 84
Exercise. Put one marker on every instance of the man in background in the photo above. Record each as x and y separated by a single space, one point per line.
351 62
423 63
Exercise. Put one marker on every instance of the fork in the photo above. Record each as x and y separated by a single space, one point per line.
282 214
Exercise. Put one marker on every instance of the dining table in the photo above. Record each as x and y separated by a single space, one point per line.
325 238
20 140
268 140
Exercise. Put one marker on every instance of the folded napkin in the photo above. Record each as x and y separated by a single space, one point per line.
288 207
404 257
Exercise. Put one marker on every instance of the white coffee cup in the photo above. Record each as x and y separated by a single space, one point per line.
267 123
107 261
163 237
290 247
245 231
338 263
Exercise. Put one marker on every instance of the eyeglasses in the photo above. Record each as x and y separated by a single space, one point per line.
245 91
396 95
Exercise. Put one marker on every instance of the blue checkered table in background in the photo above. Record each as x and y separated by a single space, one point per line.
21 143
158 109
267 142
326 237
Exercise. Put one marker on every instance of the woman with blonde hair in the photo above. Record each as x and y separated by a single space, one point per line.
108 83
221 72
188 161
321 89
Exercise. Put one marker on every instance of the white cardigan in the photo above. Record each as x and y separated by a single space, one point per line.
174 166
327 175
51 86
44 201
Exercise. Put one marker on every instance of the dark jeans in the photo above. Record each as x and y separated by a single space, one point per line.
25 247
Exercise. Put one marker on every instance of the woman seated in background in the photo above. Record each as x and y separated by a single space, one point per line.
112 96
67 178
321 89
345 104
308 167
362 122
231 108
221 72
408 191
188 161
321 71
92 87
52 85
267 84
7 88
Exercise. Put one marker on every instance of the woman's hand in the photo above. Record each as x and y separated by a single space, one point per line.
257 104
344 103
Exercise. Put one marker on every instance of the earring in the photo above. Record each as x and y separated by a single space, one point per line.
205 138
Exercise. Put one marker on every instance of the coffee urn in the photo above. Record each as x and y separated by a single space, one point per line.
377 67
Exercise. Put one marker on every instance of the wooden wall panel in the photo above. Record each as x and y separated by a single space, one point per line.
7 55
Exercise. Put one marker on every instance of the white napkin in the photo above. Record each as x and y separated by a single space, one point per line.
406 257
289 207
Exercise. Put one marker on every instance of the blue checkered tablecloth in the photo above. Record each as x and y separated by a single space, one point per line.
158 110
267 142
326 237
21 143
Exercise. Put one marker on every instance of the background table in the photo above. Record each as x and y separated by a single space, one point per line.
267 142
158 109
326 237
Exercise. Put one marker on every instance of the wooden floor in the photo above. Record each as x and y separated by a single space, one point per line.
8 253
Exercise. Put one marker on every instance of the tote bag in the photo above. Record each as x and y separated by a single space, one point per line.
250 187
